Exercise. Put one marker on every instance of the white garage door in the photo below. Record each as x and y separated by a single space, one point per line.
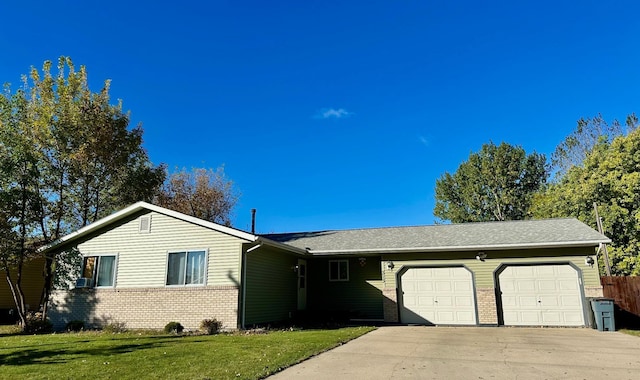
437 296
541 295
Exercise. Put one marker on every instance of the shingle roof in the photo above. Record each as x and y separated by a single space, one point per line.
546 233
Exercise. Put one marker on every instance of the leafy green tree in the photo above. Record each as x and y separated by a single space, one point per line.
203 193
18 170
609 175
67 158
496 183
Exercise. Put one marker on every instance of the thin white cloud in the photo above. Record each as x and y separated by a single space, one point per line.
423 140
333 113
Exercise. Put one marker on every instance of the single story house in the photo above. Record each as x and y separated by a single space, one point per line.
146 266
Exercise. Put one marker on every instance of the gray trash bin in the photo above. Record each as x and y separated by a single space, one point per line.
603 314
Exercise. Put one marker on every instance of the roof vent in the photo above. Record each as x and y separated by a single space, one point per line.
145 224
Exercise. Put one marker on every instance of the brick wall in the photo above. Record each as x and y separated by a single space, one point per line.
390 305
150 308
487 312
593 292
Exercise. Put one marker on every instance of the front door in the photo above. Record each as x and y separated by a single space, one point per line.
302 284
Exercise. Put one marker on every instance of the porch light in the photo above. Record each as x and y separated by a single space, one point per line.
589 261
481 256
390 265
295 268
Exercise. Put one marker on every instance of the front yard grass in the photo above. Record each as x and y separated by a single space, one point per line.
97 355
630 332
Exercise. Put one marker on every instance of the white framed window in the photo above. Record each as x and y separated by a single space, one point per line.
100 270
338 270
187 267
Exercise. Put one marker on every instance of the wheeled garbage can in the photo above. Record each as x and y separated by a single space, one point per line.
603 314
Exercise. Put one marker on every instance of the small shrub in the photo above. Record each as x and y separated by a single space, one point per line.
35 324
173 328
210 326
75 326
115 328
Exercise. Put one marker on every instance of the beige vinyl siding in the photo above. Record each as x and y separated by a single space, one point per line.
142 257
484 271
32 285
361 296
271 287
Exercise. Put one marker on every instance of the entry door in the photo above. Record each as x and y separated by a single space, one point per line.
438 296
302 284
541 295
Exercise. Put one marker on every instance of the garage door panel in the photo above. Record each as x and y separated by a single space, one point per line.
570 301
410 300
525 285
573 317
464 301
547 286
443 286
508 285
529 316
523 271
509 301
568 285
549 301
462 286
552 317
425 301
445 301
524 301
545 272
447 294
541 295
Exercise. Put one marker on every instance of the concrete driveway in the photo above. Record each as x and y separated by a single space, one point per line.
416 352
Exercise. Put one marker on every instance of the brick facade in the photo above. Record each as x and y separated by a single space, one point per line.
593 292
148 308
487 311
390 305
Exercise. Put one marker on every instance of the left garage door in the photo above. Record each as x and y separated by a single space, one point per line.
442 296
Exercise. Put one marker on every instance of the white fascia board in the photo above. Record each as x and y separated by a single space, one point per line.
139 206
567 244
283 246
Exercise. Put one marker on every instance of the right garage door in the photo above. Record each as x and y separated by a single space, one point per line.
541 295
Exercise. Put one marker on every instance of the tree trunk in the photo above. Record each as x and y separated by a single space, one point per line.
48 285
18 298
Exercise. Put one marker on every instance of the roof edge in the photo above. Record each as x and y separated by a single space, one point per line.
139 206
567 244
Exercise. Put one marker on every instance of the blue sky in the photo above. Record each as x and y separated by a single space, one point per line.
339 114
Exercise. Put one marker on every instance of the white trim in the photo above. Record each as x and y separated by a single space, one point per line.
95 280
139 206
339 279
569 244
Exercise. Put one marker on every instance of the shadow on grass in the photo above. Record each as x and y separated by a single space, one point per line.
37 353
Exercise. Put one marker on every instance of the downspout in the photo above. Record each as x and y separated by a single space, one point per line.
244 282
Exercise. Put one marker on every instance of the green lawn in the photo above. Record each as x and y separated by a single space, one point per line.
92 355
630 332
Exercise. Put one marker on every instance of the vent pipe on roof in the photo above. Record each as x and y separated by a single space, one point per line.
253 221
